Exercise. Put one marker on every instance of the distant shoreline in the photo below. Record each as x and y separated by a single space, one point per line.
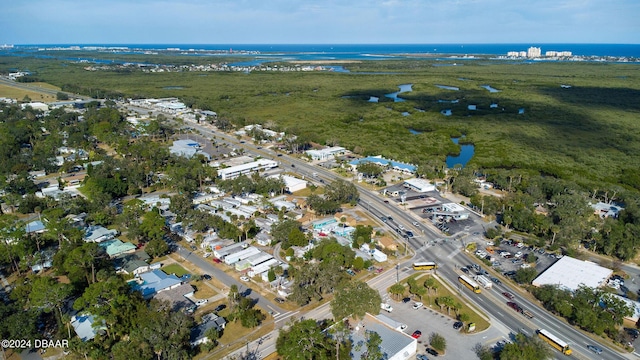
325 62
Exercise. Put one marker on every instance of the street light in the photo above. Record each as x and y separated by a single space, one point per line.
397 273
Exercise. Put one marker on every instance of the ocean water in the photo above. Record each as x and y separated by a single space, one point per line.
361 51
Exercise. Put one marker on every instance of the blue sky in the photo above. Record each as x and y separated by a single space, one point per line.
319 21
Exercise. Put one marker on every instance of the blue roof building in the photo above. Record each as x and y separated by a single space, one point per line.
395 165
152 282
36 227
85 326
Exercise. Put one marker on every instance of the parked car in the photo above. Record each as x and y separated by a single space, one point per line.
206 277
216 260
421 357
201 302
406 300
220 307
417 305
244 278
416 334
279 300
634 333
432 352
457 325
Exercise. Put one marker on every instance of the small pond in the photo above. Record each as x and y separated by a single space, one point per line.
466 153
373 99
488 87
403 88
173 87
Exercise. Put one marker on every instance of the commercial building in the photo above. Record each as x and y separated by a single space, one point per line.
379 160
292 184
569 273
395 344
419 185
326 153
187 148
235 171
456 211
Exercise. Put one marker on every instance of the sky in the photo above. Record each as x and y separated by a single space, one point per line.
319 21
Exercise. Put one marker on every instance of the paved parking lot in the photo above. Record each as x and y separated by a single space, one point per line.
459 345
517 255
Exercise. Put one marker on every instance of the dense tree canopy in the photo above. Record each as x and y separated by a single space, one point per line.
355 299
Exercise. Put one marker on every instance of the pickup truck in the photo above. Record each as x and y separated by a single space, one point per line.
387 307
527 314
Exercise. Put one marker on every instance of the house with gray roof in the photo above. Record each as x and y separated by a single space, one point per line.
99 234
177 297
133 263
208 321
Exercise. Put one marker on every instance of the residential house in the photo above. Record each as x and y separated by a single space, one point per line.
35 227
84 327
116 247
99 234
134 263
155 281
263 239
178 297
208 321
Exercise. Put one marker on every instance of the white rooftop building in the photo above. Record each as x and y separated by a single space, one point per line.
326 153
235 171
458 212
569 273
292 184
419 185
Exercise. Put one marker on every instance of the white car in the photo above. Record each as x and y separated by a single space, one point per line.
525 266
201 302
244 278
417 305
518 254
403 327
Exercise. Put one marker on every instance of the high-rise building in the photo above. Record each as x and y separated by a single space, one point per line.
534 52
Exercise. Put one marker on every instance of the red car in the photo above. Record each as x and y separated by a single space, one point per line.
508 295
216 260
514 306
416 334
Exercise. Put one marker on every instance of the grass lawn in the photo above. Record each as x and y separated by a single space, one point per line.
17 93
430 301
203 291
174 269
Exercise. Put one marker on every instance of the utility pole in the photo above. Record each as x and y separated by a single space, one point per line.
397 273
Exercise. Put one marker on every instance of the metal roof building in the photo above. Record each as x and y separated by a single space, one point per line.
569 273
395 345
